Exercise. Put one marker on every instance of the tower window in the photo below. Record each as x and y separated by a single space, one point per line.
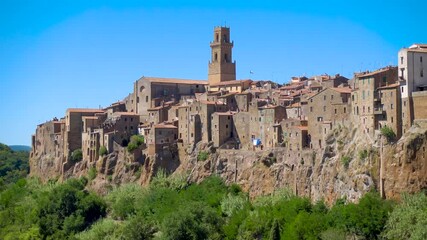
226 57
217 37
401 60
225 38
216 57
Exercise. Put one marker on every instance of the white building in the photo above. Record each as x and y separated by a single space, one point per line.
413 79
412 62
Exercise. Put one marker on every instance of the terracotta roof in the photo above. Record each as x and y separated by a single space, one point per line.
293 86
224 113
369 74
84 110
394 85
232 82
210 102
90 117
169 126
174 80
342 90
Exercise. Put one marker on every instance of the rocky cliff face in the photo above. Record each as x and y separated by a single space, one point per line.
348 166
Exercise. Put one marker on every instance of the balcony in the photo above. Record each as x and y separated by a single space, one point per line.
379 111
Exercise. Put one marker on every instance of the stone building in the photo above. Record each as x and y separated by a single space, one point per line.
162 135
74 128
365 96
235 86
48 139
413 79
221 66
389 111
151 92
222 128
327 109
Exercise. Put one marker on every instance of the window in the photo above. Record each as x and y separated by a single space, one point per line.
335 111
421 58
363 94
401 60
332 97
369 109
345 110
226 126
402 89
216 57
137 99
404 103
384 79
160 132
146 98
217 37
226 57
324 108
421 73
391 106
324 97
391 119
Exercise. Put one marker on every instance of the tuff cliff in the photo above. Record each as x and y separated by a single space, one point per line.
348 166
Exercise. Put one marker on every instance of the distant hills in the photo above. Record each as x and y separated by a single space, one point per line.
20 148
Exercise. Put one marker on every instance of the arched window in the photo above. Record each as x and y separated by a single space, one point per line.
216 57
217 37
226 57
224 38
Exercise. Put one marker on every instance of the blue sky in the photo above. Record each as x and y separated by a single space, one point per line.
60 54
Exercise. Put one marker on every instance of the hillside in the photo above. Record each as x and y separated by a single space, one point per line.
13 165
20 148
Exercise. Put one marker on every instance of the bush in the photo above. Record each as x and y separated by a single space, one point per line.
103 151
135 142
345 161
363 154
91 173
77 155
388 132
203 156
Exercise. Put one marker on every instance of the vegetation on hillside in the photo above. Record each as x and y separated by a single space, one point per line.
172 208
13 165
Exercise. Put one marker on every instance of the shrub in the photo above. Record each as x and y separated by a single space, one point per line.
103 151
388 132
135 142
203 156
363 154
77 155
91 173
345 161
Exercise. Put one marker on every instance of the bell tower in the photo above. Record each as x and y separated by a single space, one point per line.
221 66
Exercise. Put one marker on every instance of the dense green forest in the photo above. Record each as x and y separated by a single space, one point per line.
171 208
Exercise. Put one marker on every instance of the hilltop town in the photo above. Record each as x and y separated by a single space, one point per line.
181 118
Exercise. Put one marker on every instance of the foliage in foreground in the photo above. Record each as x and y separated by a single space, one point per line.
170 208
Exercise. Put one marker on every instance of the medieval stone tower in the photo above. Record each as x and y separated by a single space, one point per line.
221 67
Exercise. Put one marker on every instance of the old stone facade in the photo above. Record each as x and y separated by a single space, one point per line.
297 118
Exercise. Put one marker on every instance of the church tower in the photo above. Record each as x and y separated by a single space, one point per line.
221 66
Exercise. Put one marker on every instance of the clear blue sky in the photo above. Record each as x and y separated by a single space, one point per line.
60 54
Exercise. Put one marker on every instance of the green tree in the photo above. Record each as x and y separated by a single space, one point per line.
409 219
77 155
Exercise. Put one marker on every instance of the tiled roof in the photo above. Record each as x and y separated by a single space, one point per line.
342 89
369 74
84 110
232 82
394 85
174 80
169 126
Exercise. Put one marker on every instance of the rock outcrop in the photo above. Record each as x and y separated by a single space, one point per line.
347 167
